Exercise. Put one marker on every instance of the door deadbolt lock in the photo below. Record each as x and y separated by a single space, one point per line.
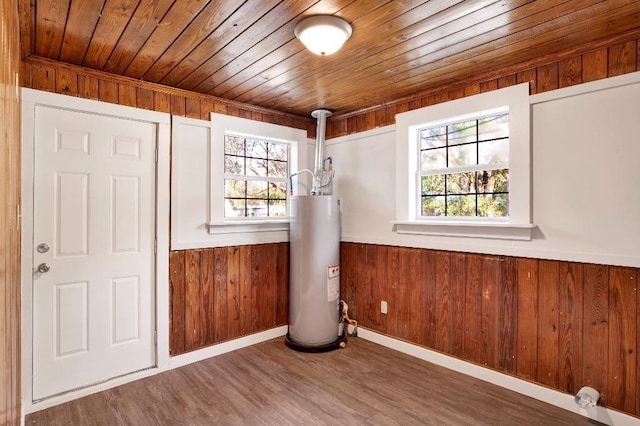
43 268
43 248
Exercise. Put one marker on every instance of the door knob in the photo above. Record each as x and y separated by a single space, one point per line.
43 248
44 267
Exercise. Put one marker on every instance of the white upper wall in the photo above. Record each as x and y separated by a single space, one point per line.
193 178
585 202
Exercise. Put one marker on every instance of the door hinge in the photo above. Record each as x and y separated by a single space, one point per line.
155 245
156 154
155 338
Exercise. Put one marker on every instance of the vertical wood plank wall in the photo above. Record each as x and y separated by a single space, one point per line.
9 224
587 64
53 76
220 294
560 324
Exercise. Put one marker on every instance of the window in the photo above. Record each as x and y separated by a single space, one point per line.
464 168
255 172
249 166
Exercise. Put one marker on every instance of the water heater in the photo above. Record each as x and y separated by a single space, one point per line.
315 320
314 274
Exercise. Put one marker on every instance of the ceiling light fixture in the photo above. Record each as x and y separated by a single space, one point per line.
323 34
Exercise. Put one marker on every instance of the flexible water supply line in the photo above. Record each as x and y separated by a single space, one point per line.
291 176
349 321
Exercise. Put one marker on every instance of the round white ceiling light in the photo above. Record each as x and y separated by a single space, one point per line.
323 34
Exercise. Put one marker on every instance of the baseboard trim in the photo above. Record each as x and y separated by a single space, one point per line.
222 348
541 393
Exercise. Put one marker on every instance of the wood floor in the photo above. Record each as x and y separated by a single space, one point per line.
269 384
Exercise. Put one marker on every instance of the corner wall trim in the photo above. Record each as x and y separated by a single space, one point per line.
541 393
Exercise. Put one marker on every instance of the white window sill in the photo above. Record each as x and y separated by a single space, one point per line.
494 230
248 225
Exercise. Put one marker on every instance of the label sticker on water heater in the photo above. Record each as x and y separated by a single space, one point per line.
333 283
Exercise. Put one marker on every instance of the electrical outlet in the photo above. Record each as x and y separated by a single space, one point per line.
383 307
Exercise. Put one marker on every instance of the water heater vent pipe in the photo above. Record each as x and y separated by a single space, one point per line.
321 117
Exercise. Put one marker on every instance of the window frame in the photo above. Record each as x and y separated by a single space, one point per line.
517 225
222 125
448 170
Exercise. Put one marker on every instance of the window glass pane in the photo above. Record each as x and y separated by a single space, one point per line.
234 145
461 205
234 165
462 132
493 205
461 183
277 190
434 159
493 181
256 189
249 157
469 144
278 151
256 148
234 208
277 208
277 169
463 155
433 206
234 188
493 152
433 137
256 167
493 127
433 185
257 208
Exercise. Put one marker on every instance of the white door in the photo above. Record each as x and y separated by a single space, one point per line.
94 233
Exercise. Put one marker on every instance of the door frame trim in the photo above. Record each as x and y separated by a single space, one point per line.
30 100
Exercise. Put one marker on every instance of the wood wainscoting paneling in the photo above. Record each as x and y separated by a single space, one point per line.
595 61
10 390
218 294
561 324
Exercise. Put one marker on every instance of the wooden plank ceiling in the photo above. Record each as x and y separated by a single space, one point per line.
246 50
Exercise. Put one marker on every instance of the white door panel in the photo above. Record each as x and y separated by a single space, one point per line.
94 197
